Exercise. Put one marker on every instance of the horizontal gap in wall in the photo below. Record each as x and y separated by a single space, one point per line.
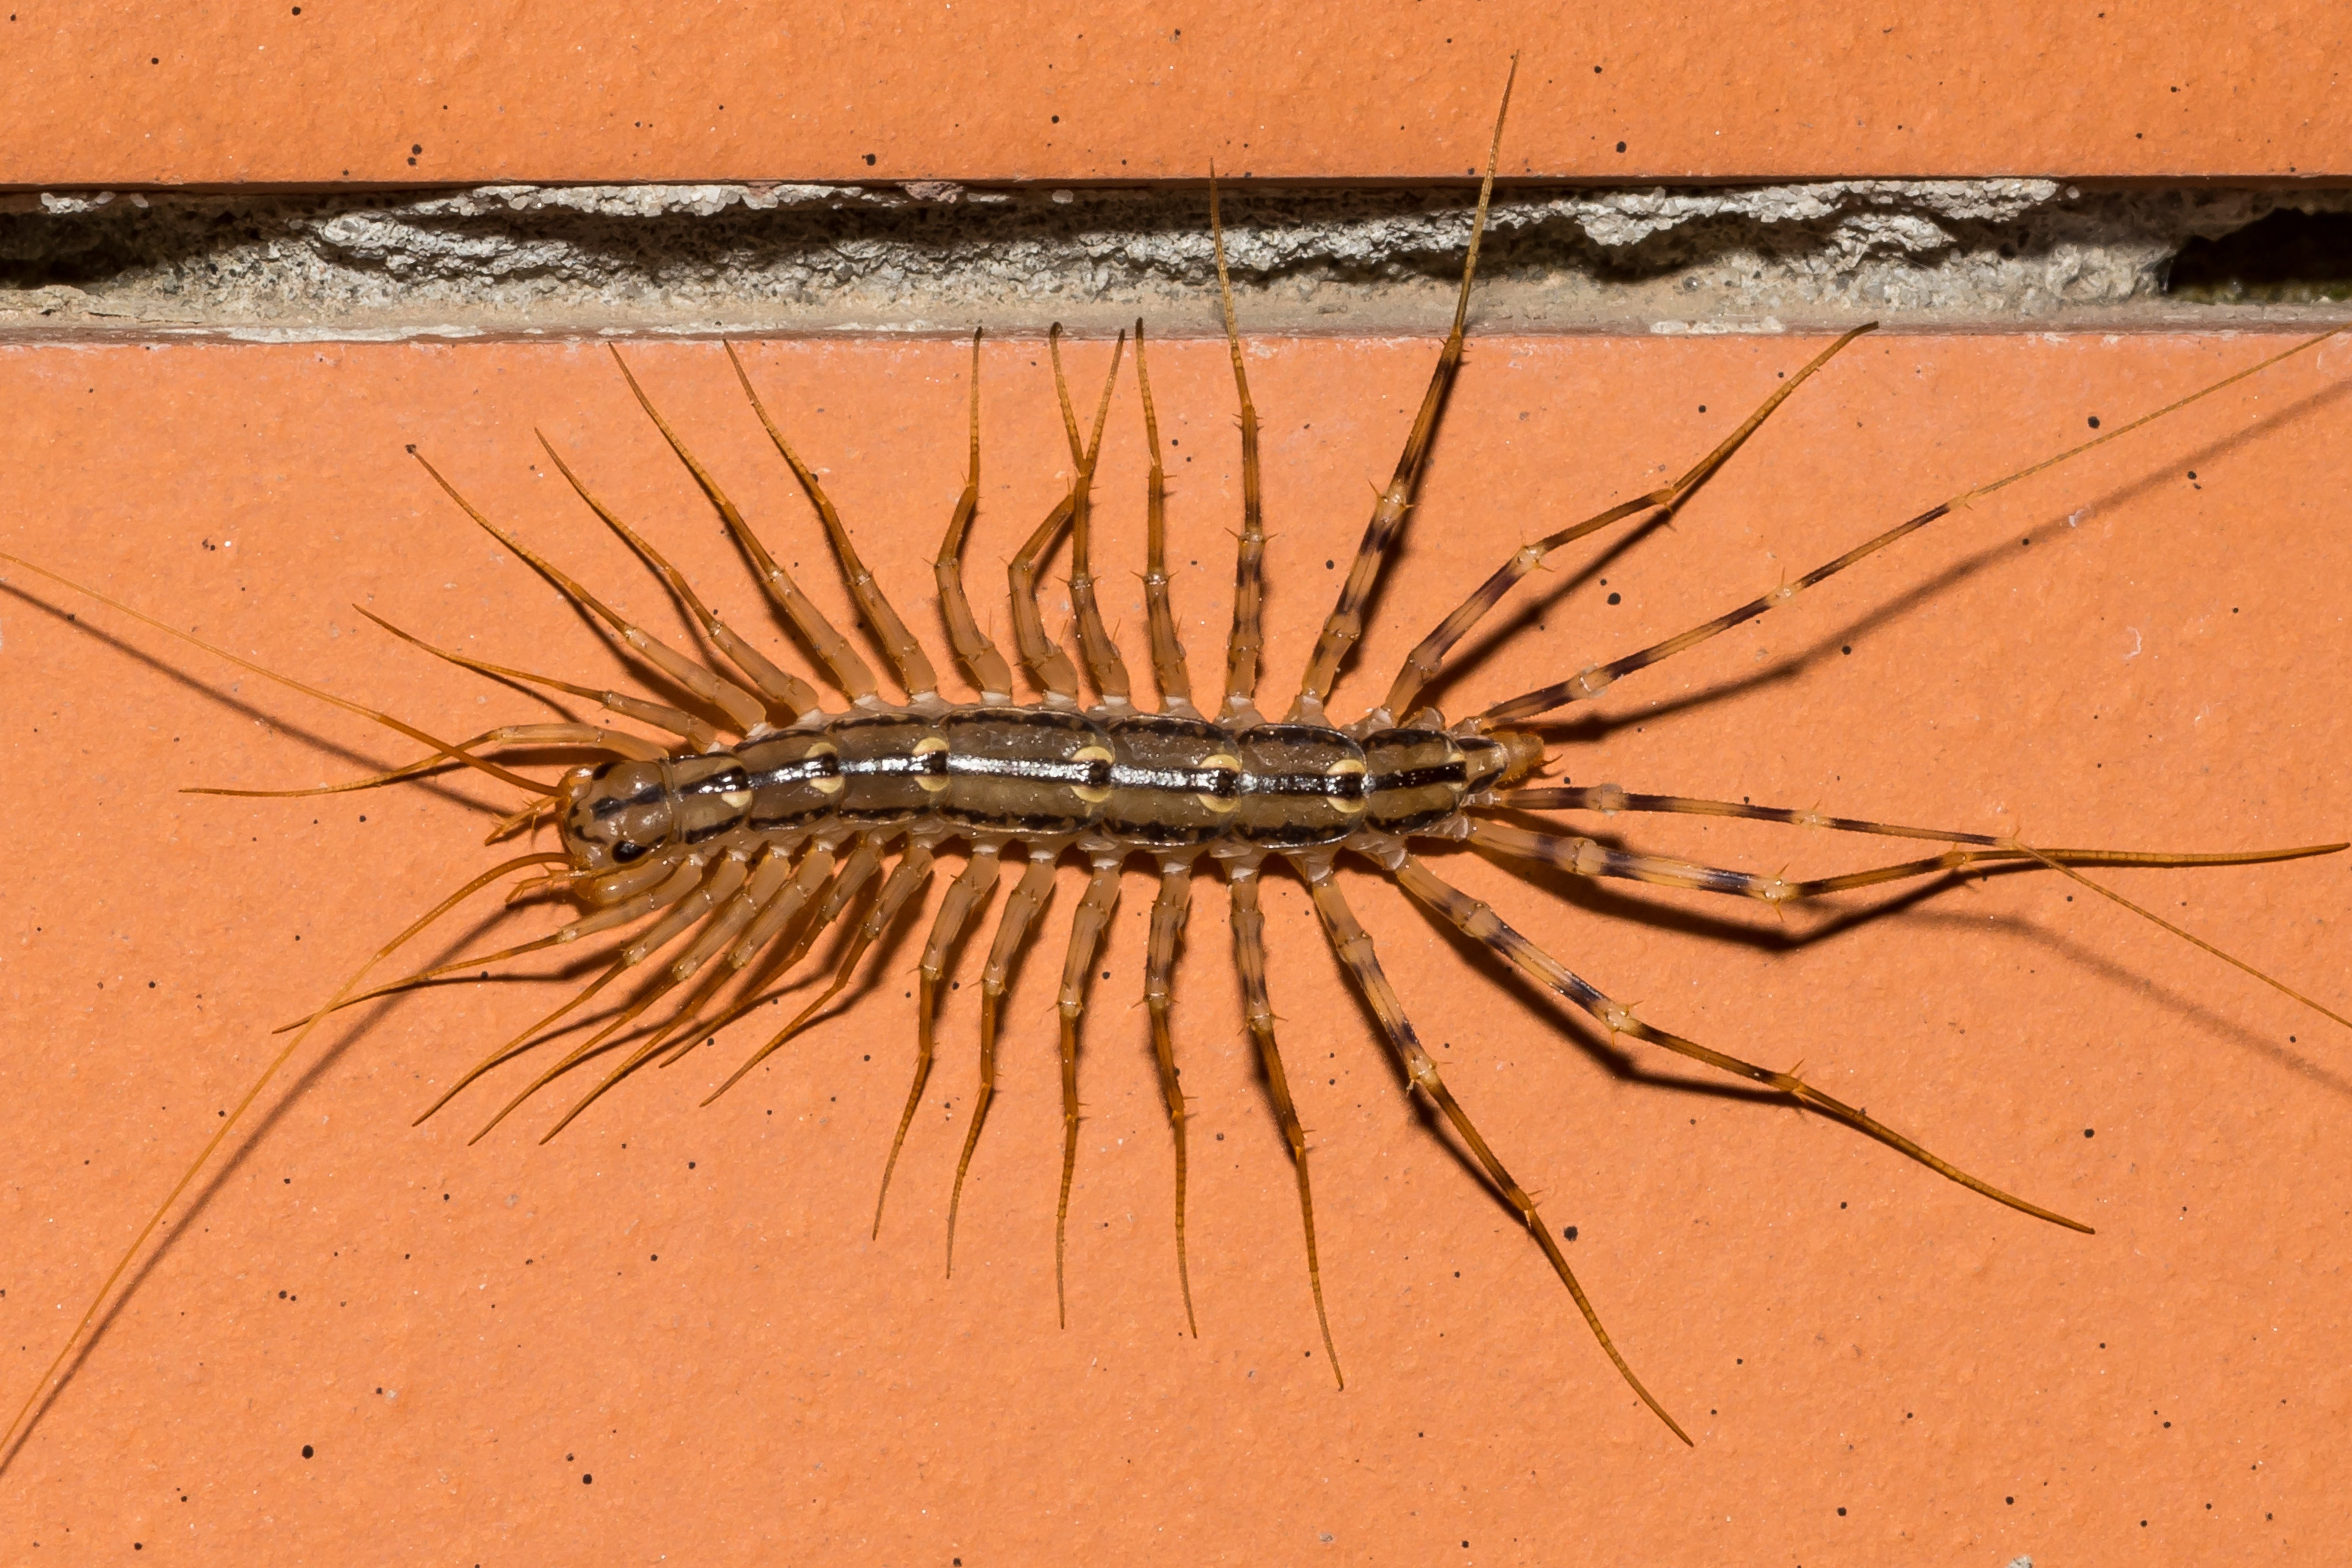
932 257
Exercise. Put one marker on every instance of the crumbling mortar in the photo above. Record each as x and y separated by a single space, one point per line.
787 256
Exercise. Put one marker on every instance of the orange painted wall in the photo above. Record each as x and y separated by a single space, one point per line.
240 91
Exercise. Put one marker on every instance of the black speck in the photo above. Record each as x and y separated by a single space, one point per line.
416 147
1841 1513
1845 647
1568 1233
869 159
1616 598
588 1481
2086 1132
306 1450
1621 146
1057 119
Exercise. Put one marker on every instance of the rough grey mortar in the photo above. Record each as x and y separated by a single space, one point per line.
506 260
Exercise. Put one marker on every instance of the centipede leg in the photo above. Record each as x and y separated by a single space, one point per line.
843 662
1168 911
1246 641
1354 948
855 872
1249 959
913 870
978 655
1012 935
907 656
1085 935
1585 858
975 886
1345 624
1047 665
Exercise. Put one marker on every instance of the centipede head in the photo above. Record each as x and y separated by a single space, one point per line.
615 815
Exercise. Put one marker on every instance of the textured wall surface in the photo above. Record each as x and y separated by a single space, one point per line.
667 1335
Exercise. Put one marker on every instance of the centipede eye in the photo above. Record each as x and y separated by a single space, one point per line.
625 852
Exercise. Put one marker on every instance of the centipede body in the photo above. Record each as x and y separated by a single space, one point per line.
1976 718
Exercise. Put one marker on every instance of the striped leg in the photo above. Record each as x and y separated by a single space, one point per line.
1040 654
850 672
1345 624
743 708
966 893
1012 936
1246 641
780 688
1085 935
1104 665
978 654
855 872
1584 857
1354 946
1168 912
1592 681
1249 959
1168 667
1428 656
1476 921
907 656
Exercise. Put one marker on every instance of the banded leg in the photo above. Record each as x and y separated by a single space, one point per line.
1012 935
1246 642
850 672
973 889
768 877
742 708
978 654
696 732
1592 680
1168 666
1354 947
906 878
1249 959
1085 935
1584 857
815 868
1168 912
1345 624
780 686
709 896
1046 663
1428 656
855 872
1475 920
907 656
1104 665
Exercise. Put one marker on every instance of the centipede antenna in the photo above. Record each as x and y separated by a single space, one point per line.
441 748
584 736
19 1426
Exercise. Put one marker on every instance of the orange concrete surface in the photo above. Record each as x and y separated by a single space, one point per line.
666 1336
328 92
